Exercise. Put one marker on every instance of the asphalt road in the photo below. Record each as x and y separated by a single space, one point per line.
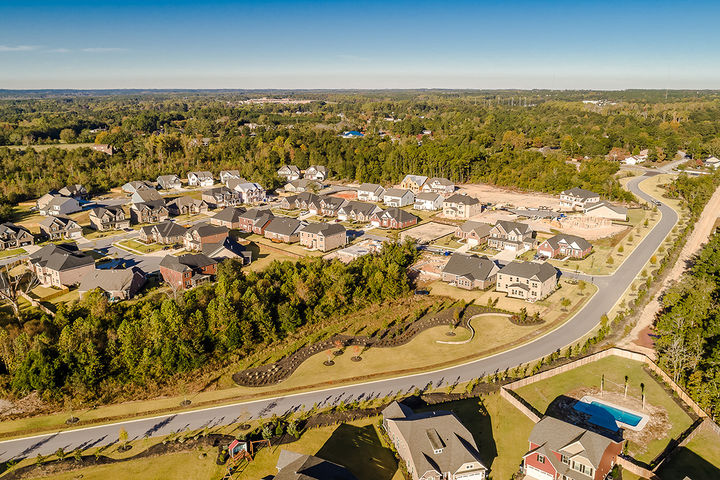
610 289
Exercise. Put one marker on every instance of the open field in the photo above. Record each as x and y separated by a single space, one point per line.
61 146
140 246
12 252
541 394
497 195
427 232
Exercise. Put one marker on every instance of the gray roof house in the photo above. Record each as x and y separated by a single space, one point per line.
289 172
433 445
295 466
228 217
226 175
530 281
169 182
60 265
202 178
370 192
470 271
76 191
118 284
148 196
284 229
438 185
60 227
14 236
135 185
474 233
578 198
60 205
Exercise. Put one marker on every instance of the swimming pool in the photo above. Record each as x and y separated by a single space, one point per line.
610 416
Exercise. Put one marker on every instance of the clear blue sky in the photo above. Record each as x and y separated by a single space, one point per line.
303 44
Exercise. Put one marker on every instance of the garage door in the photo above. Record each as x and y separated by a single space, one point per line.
537 473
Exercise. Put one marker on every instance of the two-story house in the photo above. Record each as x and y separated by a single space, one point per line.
60 265
429 201
14 236
187 271
355 211
221 197
578 198
461 207
470 271
202 178
474 233
135 185
289 173
562 451
60 228
414 183
439 185
56 204
511 236
393 218
169 182
433 445
249 192
370 192
204 233
255 220
329 205
166 233
323 236
564 245
398 197
148 213
226 175
529 281
316 172
228 217
187 205
76 191
109 218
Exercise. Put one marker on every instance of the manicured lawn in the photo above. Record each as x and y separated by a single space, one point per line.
140 246
699 459
542 393
91 234
13 252
448 241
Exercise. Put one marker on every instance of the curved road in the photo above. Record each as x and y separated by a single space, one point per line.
610 289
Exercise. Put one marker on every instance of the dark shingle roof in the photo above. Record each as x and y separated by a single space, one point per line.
580 193
541 271
509 226
324 229
208 229
283 225
470 266
229 214
61 257
482 229
295 466
462 198
398 214
186 262
570 239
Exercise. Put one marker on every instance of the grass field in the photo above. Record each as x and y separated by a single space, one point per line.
542 393
140 246
12 252
699 459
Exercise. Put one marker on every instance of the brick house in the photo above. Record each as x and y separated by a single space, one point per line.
203 233
187 271
166 233
398 197
474 233
60 265
562 451
433 445
511 235
461 206
370 192
284 229
323 236
413 183
109 218
469 271
14 236
187 205
255 220
527 280
578 198
564 245
57 228
228 217
394 218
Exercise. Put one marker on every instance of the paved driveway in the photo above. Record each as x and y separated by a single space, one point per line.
610 289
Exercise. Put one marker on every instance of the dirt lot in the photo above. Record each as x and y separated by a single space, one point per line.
588 228
496 195
428 232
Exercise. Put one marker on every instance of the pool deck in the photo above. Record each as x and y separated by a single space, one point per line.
644 418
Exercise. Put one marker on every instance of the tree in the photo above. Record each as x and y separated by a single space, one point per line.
12 287
582 285
610 260
67 135
565 302
123 436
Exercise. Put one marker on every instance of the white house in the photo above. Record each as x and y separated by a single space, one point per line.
438 185
607 210
370 192
316 172
634 160
59 205
251 192
289 172
201 179
712 162
428 201
397 197
226 175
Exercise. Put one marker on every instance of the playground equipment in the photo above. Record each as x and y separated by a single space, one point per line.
241 453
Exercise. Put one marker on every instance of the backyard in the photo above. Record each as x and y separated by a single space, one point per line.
135 246
699 459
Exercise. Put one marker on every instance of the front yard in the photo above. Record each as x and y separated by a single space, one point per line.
136 246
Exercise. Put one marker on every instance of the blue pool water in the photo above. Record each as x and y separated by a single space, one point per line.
607 416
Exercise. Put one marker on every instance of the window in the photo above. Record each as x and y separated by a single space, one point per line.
564 459
541 458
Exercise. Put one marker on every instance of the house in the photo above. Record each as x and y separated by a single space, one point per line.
469 271
296 466
461 206
14 236
148 213
166 233
200 179
147 195
76 191
634 160
607 210
428 201
527 280
563 245
413 183
228 217
109 218
712 162
511 236
561 450
41 203
60 227
302 201
316 172
249 192
303 185
578 198
103 148
354 211
169 182
433 445
135 185
289 172
60 265
221 197
398 197
204 233
370 192
255 220
329 206
323 236
474 233
59 205
228 248
284 229
187 271
438 185
226 175
117 284
187 205
393 218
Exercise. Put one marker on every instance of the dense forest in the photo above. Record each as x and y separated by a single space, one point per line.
518 139
92 348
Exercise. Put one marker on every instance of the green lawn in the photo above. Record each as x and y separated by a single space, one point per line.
12 252
542 393
140 246
699 459
448 241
